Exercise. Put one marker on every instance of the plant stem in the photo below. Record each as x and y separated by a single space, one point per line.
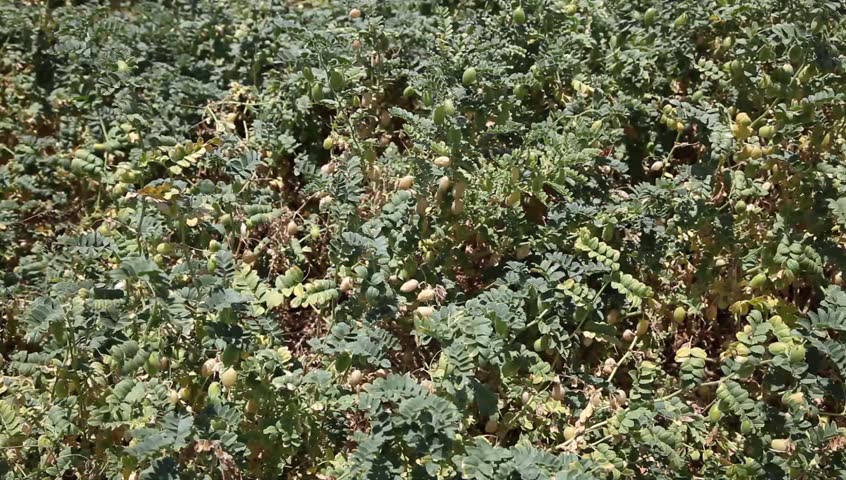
622 360
140 224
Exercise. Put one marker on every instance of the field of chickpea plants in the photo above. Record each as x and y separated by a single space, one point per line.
422 239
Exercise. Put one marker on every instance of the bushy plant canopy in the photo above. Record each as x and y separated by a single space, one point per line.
411 239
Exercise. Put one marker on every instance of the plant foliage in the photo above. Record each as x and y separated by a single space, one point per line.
574 239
